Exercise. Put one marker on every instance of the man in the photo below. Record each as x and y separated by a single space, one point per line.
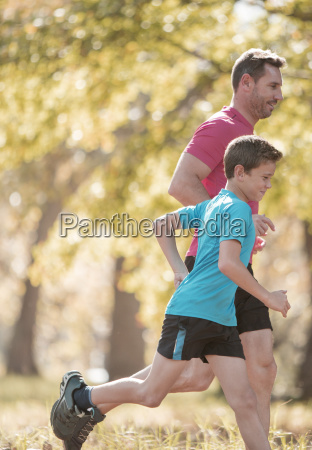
256 82
199 176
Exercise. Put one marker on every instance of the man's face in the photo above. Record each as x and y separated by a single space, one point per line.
266 93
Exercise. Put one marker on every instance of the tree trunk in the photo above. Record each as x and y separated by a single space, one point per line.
305 372
126 344
21 354
21 358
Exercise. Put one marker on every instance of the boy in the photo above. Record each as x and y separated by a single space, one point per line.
200 319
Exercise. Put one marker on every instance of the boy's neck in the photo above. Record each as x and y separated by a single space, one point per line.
232 187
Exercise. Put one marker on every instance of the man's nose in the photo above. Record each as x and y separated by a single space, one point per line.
279 96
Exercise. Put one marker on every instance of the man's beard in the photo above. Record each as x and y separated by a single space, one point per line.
259 107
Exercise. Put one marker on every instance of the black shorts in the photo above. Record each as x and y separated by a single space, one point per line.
251 313
183 338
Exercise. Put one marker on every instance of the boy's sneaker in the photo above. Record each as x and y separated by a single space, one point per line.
65 414
83 428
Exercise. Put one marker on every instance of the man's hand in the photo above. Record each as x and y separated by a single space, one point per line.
179 277
262 224
278 301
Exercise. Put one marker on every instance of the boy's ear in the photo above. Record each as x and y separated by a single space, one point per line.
239 171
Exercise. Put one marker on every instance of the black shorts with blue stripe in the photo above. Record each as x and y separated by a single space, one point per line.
183 338
251 313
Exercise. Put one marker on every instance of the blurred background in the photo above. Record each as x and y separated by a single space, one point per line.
98 98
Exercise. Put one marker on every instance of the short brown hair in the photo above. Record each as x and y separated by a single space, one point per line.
252 62
250 152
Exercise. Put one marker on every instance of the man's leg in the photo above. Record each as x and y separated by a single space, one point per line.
196 377
232 375
261 369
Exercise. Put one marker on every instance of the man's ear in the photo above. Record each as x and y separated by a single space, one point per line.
239 171
247 82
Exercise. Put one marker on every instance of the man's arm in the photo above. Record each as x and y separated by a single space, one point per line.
232 267
262 224
164 228
186 185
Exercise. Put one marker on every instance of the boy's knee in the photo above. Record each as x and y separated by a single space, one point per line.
151 398
152 401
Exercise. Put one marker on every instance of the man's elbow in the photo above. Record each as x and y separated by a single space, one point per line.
173 190
177 191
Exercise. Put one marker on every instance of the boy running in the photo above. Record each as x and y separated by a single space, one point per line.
200 320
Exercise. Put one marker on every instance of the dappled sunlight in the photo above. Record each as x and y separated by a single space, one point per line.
98 100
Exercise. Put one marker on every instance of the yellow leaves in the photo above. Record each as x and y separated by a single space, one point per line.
132 46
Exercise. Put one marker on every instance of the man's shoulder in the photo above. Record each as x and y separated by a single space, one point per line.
228 121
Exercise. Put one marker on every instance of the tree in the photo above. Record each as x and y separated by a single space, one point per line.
130 82
71 95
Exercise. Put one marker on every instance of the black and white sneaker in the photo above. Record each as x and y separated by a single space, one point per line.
83 428
65 414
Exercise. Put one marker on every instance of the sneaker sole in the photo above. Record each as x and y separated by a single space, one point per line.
67 378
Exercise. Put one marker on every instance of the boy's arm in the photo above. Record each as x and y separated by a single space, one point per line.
164 228
231 266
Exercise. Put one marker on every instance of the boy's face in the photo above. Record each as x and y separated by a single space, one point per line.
258 180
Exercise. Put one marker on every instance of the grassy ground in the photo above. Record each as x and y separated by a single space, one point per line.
183 421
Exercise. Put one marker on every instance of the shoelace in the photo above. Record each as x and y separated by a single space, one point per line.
86 430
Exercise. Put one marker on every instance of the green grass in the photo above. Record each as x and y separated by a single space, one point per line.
183 421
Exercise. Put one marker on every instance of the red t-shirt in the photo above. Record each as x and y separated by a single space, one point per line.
209 144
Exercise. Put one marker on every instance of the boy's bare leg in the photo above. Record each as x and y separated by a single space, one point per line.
149 392
232 375
261 369
195 377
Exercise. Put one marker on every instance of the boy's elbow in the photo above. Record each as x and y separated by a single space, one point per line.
220 266
156 226
224 266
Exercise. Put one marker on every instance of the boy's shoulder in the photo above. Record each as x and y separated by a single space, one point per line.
231 203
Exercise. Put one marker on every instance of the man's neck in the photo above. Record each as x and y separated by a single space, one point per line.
243 110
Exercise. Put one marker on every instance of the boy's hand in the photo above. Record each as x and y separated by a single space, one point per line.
179 277
278 301
262 224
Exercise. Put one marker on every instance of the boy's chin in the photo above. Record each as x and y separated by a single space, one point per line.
255 198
